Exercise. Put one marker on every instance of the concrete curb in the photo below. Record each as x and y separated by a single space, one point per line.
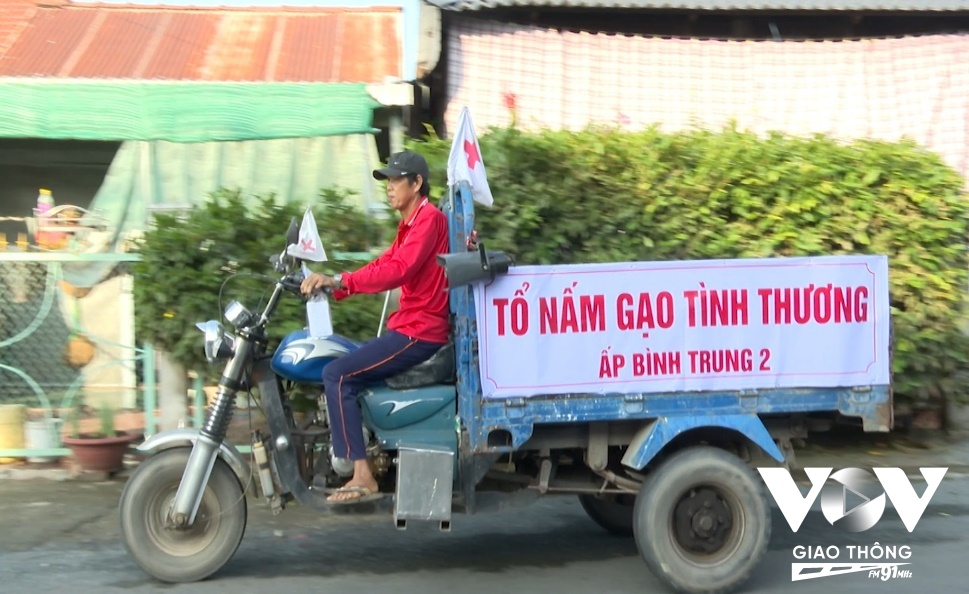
67 472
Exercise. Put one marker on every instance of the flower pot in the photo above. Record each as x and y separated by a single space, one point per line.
104 454
43 434
12 418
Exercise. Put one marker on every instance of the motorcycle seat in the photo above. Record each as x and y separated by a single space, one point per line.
438 369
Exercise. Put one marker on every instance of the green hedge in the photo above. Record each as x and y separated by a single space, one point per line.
184 262
603 195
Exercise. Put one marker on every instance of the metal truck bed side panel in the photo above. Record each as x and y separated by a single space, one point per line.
519 416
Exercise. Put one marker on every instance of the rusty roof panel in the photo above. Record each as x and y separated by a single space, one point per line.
238 50
305 51
53 40
104 51
246 44
374 41
181 45
14 16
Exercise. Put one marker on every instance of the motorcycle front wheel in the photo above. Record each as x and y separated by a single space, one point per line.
181 555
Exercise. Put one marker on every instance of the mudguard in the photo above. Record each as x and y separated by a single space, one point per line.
186 437
654 436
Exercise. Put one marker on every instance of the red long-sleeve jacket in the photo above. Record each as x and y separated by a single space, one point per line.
410 263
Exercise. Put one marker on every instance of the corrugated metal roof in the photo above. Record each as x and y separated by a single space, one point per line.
14 16
210 44
875 5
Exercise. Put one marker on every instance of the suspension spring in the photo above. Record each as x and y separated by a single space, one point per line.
217 422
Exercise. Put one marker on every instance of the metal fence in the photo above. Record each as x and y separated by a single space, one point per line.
66 339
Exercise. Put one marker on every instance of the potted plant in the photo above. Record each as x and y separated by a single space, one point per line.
102 450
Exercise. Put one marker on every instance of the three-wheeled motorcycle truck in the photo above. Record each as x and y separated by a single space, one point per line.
674 469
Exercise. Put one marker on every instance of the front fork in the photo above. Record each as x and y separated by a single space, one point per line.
206 447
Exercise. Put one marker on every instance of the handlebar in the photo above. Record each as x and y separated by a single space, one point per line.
292 283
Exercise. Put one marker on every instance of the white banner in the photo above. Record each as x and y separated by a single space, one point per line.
685 326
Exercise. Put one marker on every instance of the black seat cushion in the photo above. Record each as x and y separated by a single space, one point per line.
438 369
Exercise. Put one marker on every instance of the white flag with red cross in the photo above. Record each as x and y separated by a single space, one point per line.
308 246
464 162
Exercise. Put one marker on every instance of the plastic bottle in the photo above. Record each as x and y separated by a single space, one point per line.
45 201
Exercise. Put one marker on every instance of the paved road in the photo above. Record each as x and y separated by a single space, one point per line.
63 536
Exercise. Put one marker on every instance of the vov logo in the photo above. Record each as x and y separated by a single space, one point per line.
838 489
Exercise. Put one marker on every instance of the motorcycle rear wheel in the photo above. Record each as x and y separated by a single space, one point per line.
181 555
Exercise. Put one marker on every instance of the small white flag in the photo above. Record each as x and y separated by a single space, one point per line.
465 164
308 246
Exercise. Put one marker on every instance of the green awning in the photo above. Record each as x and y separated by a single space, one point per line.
181 111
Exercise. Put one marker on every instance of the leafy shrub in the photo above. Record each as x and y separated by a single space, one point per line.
184 262
602 195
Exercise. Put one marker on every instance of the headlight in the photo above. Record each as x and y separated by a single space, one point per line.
237 315
217 344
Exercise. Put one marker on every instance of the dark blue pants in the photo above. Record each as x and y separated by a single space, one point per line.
380 358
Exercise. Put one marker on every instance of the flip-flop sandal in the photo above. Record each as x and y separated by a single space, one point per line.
332 490
365 495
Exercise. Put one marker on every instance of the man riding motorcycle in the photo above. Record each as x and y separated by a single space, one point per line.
418 328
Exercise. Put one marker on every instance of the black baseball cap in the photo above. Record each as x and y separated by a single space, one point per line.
404 163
